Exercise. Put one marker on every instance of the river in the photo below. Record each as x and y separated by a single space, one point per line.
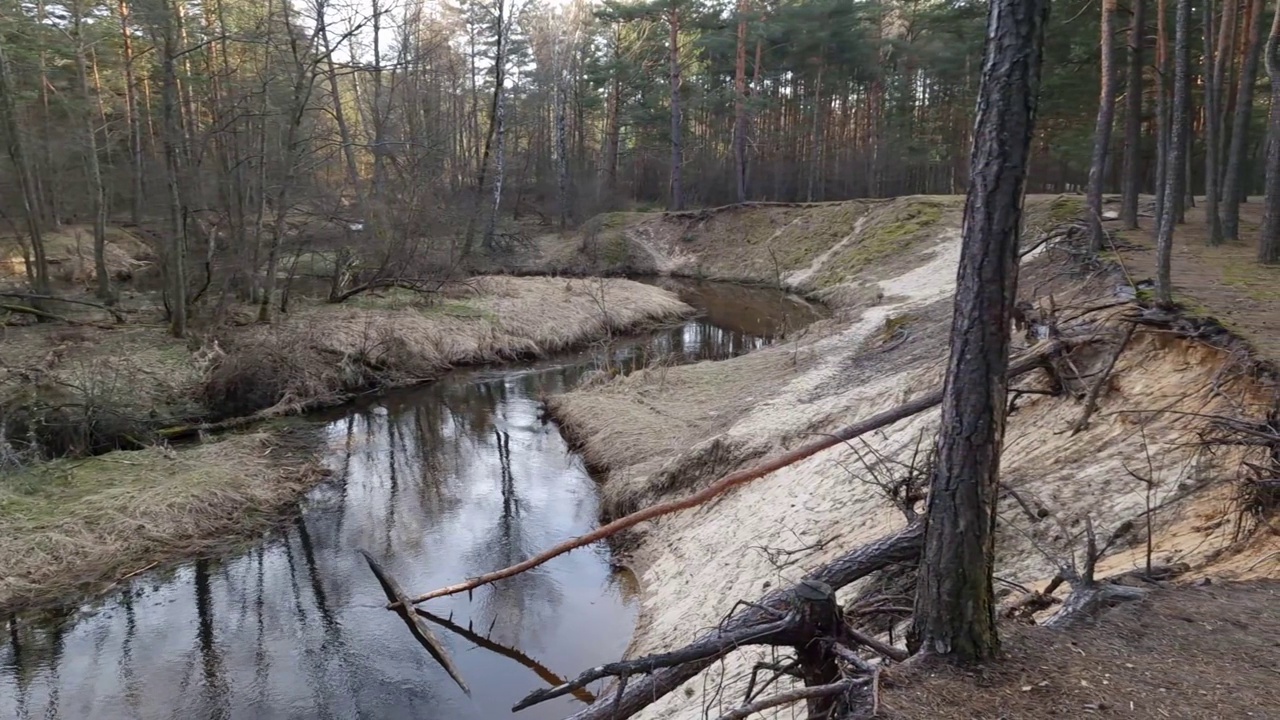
439 483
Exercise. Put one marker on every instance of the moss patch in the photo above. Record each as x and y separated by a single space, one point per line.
895 230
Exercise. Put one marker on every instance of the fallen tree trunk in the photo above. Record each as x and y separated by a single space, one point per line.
900 547
1032 359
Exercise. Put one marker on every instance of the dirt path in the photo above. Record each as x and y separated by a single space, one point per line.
1224 282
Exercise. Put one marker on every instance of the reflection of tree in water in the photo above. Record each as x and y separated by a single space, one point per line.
520 606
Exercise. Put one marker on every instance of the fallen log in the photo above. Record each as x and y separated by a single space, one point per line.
1032 359
901 547
542 671
794 695
421 631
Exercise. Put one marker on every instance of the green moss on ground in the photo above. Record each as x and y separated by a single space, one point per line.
898 229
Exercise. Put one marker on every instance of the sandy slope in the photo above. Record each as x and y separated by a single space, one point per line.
881 351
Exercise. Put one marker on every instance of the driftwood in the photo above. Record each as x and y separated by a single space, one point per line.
1032 359
901 547
421 631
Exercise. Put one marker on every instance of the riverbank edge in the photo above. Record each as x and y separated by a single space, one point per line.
40 570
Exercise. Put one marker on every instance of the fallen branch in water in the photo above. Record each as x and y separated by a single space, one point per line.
421 631
475 638
1032 359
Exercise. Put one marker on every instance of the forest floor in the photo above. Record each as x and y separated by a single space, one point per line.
82 391
665 432
1197 653
1225 282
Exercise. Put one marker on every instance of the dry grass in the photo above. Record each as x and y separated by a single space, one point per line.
651 425
79 525
1193 652
89 389
325 352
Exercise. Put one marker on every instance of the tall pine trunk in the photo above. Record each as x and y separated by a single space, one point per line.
1176 174
1132 178
740 106
1106 118
1232 188
1162 109
93 167
955 605
176 257
132 112
1269 241
677 142
1213 121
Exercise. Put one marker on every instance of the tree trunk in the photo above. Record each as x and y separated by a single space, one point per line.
175 260
26 181
1232 190
1106 118
498 62
740 106
1176 174
92 166
1133 121
677 143
955 605
613 123
1162 109
132 111
1269 241
1212 121
303 82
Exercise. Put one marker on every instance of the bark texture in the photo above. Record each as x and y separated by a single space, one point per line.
1269 242
1132 172
955 604
1106 118
1175 166
1233 184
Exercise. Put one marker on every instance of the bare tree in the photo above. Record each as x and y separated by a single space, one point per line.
39 275
955 604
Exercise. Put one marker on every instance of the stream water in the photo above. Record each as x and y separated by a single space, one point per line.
438 483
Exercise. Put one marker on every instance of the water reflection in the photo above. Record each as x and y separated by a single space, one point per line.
439 483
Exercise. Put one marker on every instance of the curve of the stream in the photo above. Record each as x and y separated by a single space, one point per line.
439 483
